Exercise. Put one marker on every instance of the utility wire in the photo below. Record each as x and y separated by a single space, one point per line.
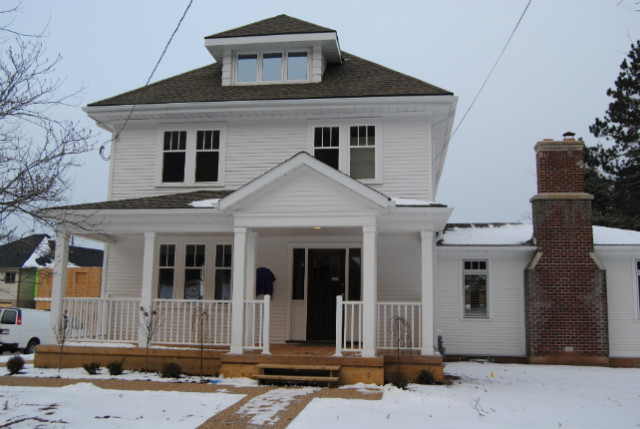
133 108
485 81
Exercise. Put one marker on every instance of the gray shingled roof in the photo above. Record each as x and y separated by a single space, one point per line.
281 24
355 77
17 253
172 201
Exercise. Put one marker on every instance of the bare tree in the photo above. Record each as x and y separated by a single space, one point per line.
149 322
62 330
37 150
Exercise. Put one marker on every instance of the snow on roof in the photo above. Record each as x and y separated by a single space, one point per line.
213 202
603 235
40 252
521 234
487 234
413 203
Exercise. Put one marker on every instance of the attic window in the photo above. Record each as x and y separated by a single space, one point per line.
272 67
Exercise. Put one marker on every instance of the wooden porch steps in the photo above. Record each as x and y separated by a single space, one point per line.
296 374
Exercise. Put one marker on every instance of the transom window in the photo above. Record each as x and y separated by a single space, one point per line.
270 67
192 157
475 288
352 148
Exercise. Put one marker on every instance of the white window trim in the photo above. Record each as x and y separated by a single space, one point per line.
344 158
180 265
190 156
462 289
283 71
636 286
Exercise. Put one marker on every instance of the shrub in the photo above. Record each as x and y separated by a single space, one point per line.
15 365
92 368
171 370
425 377
115 368
399 379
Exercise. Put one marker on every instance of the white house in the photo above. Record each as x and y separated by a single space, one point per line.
289 154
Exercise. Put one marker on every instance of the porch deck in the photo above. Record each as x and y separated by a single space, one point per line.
353 368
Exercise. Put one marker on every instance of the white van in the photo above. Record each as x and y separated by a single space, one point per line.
23 328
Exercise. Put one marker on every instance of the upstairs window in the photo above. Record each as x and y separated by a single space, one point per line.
175 148
272 67
362 152
475 288
326 145
192 157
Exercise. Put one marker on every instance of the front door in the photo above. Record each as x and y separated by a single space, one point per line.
325 281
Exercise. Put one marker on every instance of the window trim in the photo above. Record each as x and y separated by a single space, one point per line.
10 275
484 271
344 156
191 154
637 287
283 66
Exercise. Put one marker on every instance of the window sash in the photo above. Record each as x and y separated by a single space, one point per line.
272 67
475 290
222 287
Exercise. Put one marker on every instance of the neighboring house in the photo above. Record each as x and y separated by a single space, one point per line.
26 274
290 154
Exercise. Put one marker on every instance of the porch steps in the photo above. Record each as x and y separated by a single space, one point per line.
297 374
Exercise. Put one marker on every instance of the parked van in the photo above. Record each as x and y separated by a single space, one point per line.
23 328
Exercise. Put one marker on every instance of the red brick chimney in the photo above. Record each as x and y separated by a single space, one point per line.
565 290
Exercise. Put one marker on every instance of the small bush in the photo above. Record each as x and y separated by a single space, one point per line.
425 377
115 368
15 365
171 370
92 368
399 379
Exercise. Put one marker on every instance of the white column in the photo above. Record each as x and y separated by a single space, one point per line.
148 264
238 282
338 326
427 281
369 290
59 283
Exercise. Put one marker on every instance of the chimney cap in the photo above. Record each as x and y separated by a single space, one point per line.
569 135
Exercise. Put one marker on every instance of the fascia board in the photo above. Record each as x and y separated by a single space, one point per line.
337 219
437 104
302 159
403 219
622 249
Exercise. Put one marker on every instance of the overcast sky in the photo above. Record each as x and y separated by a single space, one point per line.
551 79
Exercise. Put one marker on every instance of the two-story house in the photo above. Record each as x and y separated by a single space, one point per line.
285 194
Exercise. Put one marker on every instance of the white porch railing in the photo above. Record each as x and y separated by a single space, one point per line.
257 315
399 325
193 322
348 326
102 319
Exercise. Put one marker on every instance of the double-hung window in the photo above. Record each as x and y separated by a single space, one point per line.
10 277
638 284
166 270
223 272
475 288
192 157
354 148
272 67
194 271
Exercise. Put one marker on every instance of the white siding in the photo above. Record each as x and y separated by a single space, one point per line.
124 267
254 146
501 334
399 267
622 299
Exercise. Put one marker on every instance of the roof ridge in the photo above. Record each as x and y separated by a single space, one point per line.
279 24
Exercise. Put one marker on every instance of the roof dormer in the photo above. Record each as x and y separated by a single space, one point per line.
277 50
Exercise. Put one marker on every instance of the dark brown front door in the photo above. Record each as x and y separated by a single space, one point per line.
326 280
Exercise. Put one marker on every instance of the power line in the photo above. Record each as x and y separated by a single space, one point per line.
495 64
133 108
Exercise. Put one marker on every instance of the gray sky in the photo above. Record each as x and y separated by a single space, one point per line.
552 78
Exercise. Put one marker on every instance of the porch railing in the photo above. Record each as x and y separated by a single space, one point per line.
399 325
193 322
102 319
257 315
348 326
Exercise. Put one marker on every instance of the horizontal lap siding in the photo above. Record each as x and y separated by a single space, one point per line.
124 267
272 253
503 333
134 158
399 267
407 167
622 297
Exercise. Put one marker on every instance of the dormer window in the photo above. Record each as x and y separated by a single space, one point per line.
272 67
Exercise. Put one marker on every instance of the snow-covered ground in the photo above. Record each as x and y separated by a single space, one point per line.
486 396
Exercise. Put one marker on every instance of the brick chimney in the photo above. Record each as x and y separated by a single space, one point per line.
565 290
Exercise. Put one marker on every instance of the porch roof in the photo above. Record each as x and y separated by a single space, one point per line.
170 201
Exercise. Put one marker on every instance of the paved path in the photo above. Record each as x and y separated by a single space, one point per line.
262 407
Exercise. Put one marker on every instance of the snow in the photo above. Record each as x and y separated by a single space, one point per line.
410 202
514 234
42 250
486 395
205 203
509 234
